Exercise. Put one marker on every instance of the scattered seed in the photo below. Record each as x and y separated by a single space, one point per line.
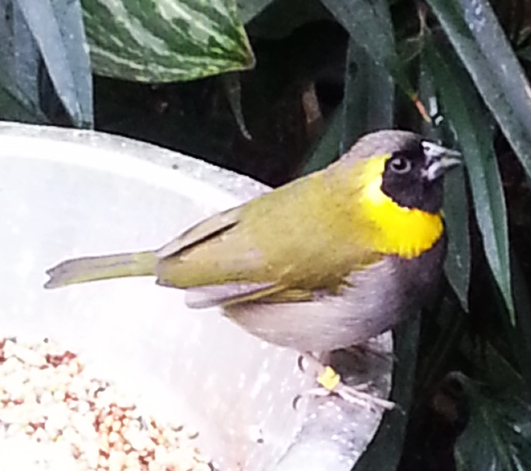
54 416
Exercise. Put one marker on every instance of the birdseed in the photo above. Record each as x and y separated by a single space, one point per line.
55 416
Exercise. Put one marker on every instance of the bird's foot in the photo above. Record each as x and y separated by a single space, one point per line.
330 383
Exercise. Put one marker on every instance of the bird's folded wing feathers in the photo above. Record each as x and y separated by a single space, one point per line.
238 293
204 230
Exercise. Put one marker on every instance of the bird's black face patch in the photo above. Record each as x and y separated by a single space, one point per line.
404 182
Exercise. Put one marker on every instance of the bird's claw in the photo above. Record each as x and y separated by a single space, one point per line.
331 384
352 395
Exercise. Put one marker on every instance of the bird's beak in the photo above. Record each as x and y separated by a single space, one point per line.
438 160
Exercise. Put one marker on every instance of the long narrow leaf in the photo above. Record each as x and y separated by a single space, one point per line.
521 332
58 31
474 131
249 9
386 448
15 106
369 96
70 19
19 59
326 149
369 24
479 40
457 264
368 105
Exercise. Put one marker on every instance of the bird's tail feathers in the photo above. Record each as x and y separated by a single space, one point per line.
81 270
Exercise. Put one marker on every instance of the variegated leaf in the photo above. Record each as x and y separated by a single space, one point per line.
165 40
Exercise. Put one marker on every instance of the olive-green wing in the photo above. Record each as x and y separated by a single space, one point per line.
228 294
214 295
239 293
231 294
202 231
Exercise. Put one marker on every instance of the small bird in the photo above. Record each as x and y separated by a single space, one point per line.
325 262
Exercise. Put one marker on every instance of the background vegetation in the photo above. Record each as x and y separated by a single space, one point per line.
277 88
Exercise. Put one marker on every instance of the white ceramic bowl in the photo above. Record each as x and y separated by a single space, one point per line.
67 193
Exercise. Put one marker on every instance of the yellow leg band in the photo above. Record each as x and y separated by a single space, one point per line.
329 379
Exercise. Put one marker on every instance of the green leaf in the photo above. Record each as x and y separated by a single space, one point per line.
474 132
20 58
520 332
369 24
492 365
479 40
457 264
443 332
15 106
491 214
385 450
33 32
326 149
58 31
368 105
233 92
498 433
165 40
369 97
280 19
249 9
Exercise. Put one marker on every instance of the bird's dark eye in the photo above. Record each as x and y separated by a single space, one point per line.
400 165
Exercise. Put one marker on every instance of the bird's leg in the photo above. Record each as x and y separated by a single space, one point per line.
331 383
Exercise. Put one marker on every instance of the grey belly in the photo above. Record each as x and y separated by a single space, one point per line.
372 302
